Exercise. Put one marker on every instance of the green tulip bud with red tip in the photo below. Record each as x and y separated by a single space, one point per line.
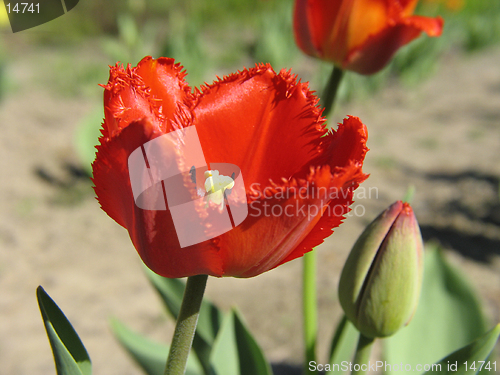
380 284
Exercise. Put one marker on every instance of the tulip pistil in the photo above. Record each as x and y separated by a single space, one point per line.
215 185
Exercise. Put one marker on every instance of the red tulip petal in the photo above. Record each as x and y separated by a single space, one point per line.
136 93
408 7
152 232
298 214
431 26
345 151
347 144
365 18
266 123
301 28
274 227
167 83
110 171
314 21
342 147
293 221
348 180
378 49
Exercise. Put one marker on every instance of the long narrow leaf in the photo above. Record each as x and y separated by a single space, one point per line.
471 358
343 344
251 356
149 355
235 350
224 356
70 355
171 292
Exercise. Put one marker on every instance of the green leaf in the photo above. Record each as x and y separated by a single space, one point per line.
343 345
448 316
149 355
235 351
252 360
476 352
171 292
224 356
70 355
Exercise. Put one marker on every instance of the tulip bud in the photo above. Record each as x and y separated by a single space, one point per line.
381 280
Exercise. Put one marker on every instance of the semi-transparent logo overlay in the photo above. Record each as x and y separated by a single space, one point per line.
27 14
170 173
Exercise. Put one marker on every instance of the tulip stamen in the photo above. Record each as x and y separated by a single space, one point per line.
215 185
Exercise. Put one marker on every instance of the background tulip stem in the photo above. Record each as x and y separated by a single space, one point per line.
330 91
362 356
309 302
310 312
186 325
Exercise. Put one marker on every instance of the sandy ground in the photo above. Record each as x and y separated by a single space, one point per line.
443 137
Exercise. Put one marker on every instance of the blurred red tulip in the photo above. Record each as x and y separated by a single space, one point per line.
299 177
359 35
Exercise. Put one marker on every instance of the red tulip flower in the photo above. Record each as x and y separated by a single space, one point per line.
298 177
359 35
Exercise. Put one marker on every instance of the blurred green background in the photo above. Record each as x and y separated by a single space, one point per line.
214 38
52 232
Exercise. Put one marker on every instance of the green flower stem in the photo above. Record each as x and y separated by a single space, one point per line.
362 356
331 89
309 302
186 325
310 313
